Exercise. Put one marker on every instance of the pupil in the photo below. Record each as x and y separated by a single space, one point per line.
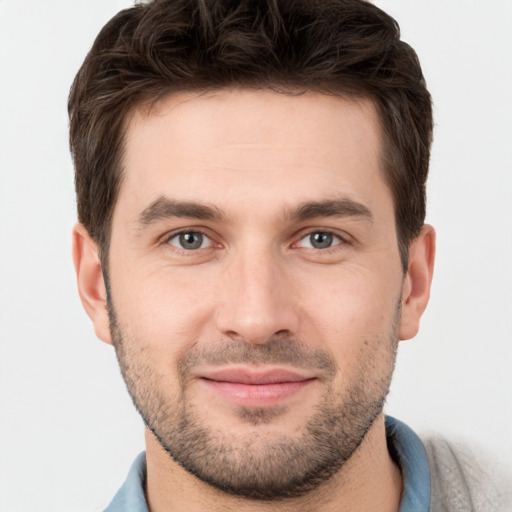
191 240
321 240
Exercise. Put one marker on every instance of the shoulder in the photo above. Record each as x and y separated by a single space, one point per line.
463 480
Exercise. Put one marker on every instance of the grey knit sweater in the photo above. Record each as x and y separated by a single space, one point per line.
461 482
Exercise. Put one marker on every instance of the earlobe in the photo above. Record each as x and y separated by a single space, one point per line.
91 285
417 281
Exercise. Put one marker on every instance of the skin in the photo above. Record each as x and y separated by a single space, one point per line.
256 158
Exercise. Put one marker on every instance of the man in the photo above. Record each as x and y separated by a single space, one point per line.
251 194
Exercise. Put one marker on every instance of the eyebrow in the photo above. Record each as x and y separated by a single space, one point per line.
165 208
344 207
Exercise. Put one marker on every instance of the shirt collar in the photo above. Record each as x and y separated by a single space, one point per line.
408 451
131 497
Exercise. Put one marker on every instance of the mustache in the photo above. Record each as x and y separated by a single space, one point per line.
276 351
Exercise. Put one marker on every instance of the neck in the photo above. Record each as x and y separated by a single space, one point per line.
370 480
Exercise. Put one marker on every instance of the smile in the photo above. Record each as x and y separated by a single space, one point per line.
256 389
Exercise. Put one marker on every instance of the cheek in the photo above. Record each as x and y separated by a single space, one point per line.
345 307
355 323
170 309
164 310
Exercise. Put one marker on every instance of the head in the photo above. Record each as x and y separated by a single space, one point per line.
250 180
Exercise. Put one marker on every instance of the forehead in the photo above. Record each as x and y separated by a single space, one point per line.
253 116
233 145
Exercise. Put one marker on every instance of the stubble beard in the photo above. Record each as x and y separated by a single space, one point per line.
256 467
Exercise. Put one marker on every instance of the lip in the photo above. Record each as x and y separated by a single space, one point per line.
256 388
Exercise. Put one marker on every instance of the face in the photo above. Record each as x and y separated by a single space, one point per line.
255 284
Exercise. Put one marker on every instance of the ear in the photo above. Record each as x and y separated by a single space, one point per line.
91 286
417 281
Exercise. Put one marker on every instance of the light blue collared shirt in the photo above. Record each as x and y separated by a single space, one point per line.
404 445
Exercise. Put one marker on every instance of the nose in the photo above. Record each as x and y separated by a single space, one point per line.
258 302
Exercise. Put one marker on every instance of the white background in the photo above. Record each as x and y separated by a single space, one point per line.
68 431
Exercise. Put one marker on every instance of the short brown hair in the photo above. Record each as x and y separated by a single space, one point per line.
341 47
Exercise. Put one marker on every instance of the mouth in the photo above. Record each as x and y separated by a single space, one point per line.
256 388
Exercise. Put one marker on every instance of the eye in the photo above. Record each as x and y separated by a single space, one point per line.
320 240
190 240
